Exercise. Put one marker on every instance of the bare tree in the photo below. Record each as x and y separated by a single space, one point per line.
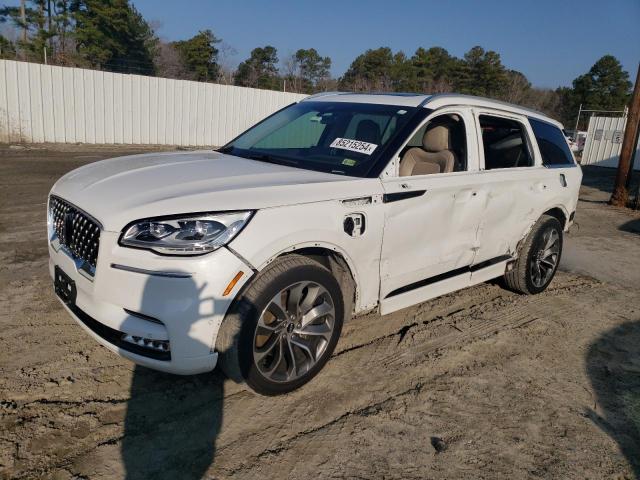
291 70
168 62
225 55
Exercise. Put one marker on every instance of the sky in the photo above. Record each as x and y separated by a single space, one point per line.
550 41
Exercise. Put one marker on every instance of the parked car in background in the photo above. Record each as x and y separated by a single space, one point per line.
576 140
253 256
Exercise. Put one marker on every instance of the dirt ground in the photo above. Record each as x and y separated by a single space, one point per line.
482 383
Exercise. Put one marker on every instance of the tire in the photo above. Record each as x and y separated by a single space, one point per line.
260 342
536 266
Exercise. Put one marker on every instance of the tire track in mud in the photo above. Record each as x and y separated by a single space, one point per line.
377 355
370 410
470 321
516 316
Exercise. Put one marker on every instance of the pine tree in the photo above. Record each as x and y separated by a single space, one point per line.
370 71
259 70
433 69
112 35
35 24
308 70
7 48
605 86
481 73
200 56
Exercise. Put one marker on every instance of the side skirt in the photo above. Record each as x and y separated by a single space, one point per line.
442 284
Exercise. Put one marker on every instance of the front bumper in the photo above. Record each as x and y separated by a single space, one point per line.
139 293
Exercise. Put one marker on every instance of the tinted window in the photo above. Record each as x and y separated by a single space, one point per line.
337 137
303 132
505 143
552 143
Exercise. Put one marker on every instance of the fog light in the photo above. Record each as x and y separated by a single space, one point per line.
157 345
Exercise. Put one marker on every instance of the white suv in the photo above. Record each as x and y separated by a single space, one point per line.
256 254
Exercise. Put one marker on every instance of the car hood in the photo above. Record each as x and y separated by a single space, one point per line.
120 190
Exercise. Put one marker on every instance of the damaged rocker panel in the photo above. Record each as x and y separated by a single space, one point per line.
449 274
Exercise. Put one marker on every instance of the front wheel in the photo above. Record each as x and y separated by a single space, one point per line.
538 258
282 330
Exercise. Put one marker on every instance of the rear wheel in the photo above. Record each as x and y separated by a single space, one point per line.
282 330
538 258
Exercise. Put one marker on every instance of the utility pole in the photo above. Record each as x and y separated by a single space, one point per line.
625 165
637 207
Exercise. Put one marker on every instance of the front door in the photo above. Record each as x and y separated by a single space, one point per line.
431 220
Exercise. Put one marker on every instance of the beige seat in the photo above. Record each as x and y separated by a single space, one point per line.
435 156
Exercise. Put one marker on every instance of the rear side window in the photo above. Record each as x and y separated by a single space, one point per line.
505 143
552 143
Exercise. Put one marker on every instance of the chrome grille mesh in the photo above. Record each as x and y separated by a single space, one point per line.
75 230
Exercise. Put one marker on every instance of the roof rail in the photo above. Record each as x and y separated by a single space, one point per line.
321 94
476 97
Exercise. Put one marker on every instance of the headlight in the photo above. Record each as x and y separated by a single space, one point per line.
188 235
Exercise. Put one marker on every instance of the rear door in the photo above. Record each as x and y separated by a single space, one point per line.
515 183
557 157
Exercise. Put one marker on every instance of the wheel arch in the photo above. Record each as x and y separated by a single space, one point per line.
559 213
334 259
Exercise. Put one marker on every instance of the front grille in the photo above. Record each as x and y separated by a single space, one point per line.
75 230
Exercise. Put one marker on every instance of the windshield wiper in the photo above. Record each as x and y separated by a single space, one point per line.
226 149
264 157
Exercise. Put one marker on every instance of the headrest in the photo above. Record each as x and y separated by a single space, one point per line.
436 138
368 131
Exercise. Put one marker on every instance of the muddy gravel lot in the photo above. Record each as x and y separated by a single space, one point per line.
482 383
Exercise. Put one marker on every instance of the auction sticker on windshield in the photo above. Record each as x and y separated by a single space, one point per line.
354 145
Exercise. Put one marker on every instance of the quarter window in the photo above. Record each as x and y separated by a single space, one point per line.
552 143
505 143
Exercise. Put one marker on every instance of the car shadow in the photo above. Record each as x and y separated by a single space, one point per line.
171 425
604 178
613 366
632 226
172 421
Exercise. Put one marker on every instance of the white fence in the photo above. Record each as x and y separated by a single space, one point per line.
604 142
44 103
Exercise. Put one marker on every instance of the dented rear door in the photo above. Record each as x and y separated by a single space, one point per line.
511 198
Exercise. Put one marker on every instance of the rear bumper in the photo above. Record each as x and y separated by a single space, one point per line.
143 300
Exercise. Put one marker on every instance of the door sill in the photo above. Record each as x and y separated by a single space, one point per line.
442 284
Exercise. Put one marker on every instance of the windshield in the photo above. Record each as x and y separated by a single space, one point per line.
337 137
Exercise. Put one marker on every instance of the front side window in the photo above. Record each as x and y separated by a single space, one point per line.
337 137
439 146
504 143
552 143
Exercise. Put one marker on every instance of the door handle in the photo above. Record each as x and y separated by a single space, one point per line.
563 180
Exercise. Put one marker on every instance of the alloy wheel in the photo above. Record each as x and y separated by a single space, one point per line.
293 331
544 262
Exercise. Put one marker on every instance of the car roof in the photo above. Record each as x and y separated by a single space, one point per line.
398 99
429 101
